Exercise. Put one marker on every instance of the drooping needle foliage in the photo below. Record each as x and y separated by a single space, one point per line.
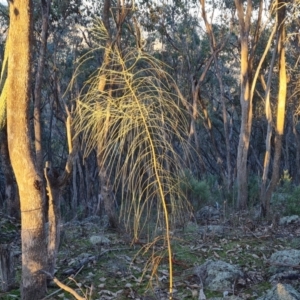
140 126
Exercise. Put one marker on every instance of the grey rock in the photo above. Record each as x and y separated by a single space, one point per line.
286 275
218 275
288 257
99 240
226 298
281 292
217 229
289 220
207 213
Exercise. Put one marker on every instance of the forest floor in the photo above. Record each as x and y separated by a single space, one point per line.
101 264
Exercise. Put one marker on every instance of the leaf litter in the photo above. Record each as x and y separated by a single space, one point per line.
121 270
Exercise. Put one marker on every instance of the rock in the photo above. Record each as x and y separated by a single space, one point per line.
288 257
226 298
289 220
99 240
216 229
281 292
207 213
218 275
287 275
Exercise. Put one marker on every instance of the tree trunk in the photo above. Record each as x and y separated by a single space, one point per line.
29 182
246 104
269 117
38 87
11 194
280 118
54 217
55 184
106 194
7 267
297 139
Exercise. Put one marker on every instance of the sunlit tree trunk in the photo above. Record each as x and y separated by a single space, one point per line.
269 117
28 179
280 118
246 103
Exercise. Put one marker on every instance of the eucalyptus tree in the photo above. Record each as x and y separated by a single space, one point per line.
248 78
45 9
19 143
280 9
10 199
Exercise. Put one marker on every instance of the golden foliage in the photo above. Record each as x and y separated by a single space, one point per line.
141 130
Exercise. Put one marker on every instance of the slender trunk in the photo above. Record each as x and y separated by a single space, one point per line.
106 192
297 139
7 267
280 118
74 184
269 117
246 104
55 184
11 190
224 110
288 136
54 216
28 179
82 189
38 87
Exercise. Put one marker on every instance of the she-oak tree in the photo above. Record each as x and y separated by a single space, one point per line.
28 179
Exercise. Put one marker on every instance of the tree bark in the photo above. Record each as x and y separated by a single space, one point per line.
11 198
280 118
38 87
19 143
246 104
7 267
269 117
55 184
106 192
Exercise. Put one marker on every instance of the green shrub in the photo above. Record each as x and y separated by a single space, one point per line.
287 196
292 206
254 189
198 191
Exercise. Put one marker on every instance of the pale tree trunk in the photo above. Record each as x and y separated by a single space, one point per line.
269 117
45 4
246 104
29 182
280 118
